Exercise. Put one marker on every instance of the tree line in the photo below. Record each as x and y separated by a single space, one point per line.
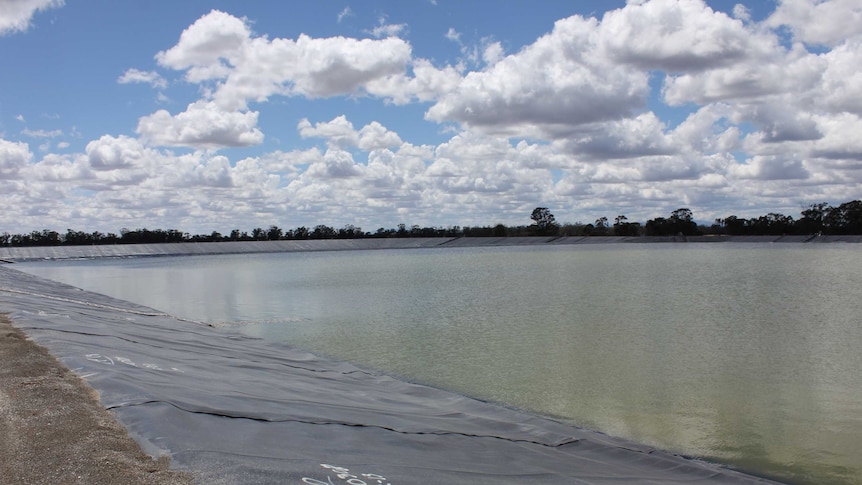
818 218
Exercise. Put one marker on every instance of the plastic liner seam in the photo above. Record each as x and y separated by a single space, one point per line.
352 425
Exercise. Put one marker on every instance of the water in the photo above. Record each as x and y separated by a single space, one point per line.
741 354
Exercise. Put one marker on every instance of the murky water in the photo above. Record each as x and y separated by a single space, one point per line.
743 354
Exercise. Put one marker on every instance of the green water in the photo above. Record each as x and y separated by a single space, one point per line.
741 354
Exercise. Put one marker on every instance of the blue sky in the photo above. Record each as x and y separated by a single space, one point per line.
206 116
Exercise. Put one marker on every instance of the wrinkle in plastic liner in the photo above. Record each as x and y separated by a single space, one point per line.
233 409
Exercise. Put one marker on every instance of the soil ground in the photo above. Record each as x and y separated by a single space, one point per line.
54 431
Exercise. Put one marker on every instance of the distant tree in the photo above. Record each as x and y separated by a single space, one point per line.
681 221
274 233
772 224
350 232
601 227
846 218
624 228
813 220
684 215
544 222
322 231
735 226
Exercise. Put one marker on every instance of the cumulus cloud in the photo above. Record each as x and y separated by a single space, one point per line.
341 133
198 171
374 136
147 77
60 168
109 152
16 15
770 168
643 135
13 157
558 81
207 47
219 46
202 125
796 71
676 36
840 140
335 164
841 88
819 22
427 83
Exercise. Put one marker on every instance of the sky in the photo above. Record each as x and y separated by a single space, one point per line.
220 115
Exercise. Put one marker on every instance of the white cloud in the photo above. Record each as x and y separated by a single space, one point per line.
819 22
487 50
147 77
199 171
426 84
15 15
741 12
20 118
219 46
795 71
335 164
374 136
202 125
339 132
42 133
558 81
770 168
840 140
60 168
109 152
13 157
205 45
643 135
676 35
382 29
841 88
492 53
344 14
780 122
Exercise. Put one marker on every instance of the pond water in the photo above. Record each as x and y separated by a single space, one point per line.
740 354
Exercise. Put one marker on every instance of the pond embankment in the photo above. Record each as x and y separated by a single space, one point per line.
35 253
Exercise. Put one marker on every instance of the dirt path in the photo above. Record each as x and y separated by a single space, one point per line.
53 429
